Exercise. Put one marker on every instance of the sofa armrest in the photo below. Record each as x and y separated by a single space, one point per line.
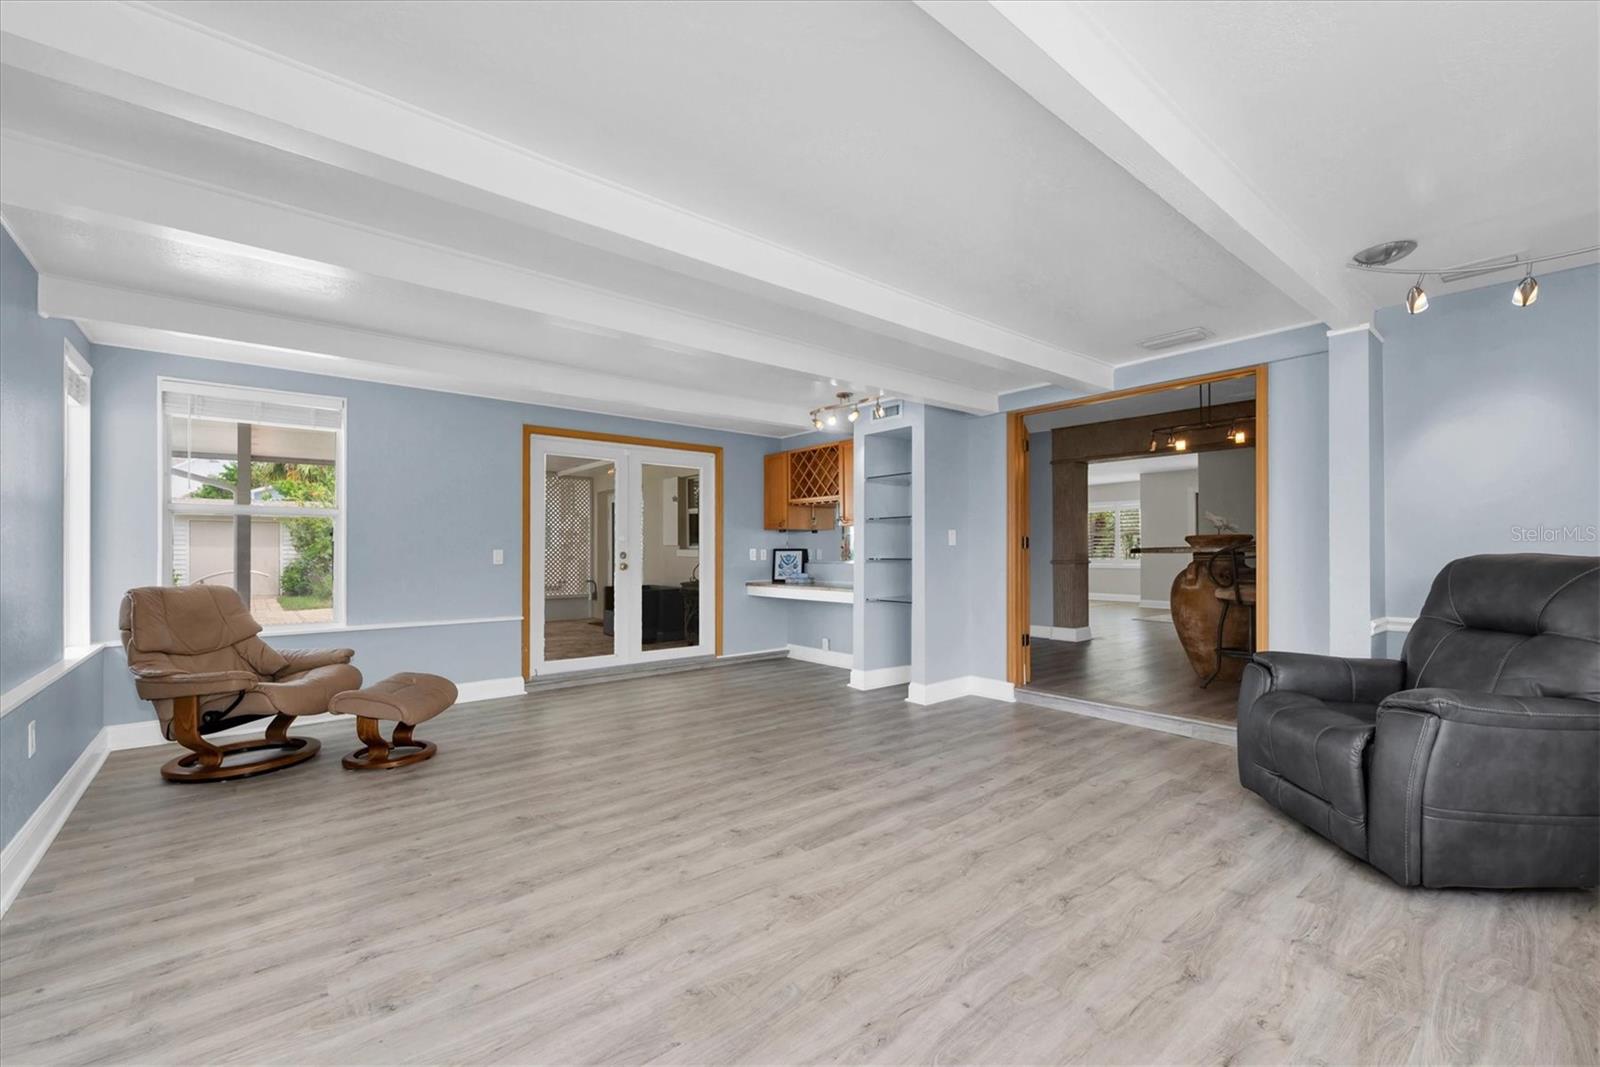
1355 681
304 659
1495 709
159 683
1471 788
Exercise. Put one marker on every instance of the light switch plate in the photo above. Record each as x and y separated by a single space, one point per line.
763 553
498 557
952 537
752 555
33 740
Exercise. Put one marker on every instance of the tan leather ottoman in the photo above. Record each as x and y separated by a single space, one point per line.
405 699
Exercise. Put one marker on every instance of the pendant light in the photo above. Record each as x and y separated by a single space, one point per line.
1527 290
1416 299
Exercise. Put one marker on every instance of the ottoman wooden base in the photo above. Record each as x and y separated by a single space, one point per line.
381 755
405 700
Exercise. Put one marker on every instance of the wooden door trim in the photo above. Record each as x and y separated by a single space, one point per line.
528 433
1017 504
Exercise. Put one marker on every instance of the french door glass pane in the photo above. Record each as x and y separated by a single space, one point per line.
669 608
579 598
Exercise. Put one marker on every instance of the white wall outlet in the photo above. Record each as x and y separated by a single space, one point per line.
497 557
952 537
752 555
763 553
33 740
827 644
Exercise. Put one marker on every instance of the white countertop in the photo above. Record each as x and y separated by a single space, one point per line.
822 592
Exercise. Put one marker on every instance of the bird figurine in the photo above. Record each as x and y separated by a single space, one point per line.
1221 522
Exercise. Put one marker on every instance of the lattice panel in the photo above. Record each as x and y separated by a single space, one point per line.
568 536
814 474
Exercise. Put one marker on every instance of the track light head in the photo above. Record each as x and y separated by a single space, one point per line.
1527 290
833 419
1238 435
1416 299
1180 443
855 413
816 421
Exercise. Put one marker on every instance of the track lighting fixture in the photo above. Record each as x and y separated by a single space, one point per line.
1527 290
1377 258
850 406
1209 431
1180 444
1416 299
1237 434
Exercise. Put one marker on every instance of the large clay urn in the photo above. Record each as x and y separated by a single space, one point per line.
1196 608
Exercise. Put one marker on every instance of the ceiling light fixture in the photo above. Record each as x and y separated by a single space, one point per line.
1416 299
1209 431
1527 290
1525 293
849 405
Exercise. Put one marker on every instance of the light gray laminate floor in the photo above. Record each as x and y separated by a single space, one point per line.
757 864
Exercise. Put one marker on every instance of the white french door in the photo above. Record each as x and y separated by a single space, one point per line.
616 553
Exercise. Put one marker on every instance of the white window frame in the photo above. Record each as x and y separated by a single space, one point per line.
77 443
1116 507
339 513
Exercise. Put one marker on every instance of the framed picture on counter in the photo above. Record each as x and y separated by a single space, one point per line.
788 563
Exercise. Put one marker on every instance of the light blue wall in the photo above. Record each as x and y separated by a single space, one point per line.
984 533
435 483
1297 510
1491 424
66 715
811 621
32 435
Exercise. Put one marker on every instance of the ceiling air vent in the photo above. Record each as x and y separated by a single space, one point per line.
1193 335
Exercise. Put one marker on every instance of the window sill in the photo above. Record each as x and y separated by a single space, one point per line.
340 627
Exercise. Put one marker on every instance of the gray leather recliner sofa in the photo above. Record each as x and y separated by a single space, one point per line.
1474 759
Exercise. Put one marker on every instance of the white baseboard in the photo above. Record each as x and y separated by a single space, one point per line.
969 685
881 678
1392 624
1061 633
490 689
1159 605
1120 598
27 847
826 656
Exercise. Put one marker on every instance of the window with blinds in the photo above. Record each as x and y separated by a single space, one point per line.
1114 532
253 498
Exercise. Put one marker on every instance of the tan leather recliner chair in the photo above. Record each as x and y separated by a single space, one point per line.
194 653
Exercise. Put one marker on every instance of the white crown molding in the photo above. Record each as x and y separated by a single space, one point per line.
1065 60
1361 327
128 51
1392 624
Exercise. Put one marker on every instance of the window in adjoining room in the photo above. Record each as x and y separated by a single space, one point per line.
1114 532
254 498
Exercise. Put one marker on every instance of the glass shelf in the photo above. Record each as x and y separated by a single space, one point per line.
897 478
888 600
888 559
888 518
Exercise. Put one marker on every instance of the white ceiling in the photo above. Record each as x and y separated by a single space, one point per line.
721 214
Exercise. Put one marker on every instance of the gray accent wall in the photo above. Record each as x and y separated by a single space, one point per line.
1166 517
1228 487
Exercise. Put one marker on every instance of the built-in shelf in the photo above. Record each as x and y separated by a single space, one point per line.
888 559
888 600
896 478
831 593
889 518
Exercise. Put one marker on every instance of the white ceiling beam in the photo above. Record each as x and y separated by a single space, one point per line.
1061 57
328 349
158 60
56 179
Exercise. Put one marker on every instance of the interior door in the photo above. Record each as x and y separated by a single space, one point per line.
670 550
573 599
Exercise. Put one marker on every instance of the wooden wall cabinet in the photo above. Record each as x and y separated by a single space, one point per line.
807 487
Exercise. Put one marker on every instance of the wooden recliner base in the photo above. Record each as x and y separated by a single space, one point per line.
379 754
207 762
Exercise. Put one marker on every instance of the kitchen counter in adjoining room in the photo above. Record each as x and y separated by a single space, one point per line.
817 592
